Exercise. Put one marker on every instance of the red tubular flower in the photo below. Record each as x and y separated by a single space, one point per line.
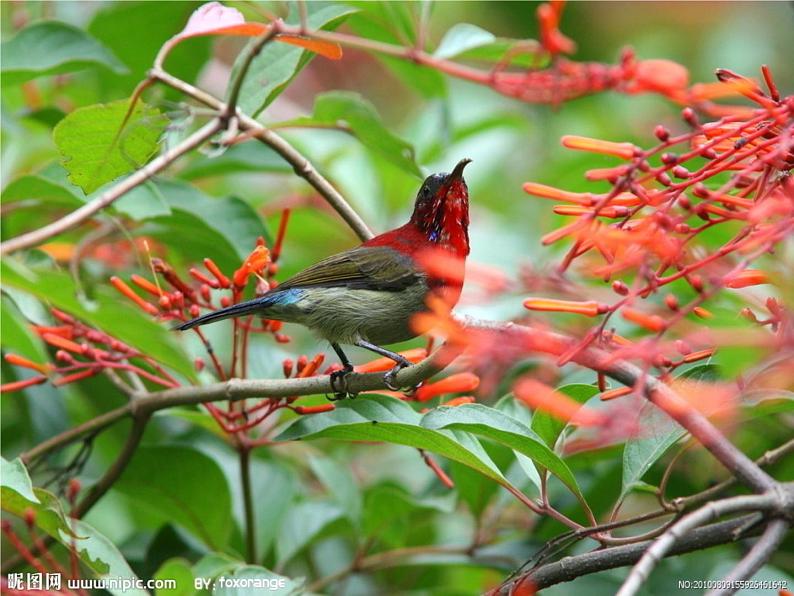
19 385
127 291
456 383
62 342
551 38
540 396
747 277
621 150
223 281
384 364
25 363
615 393
588 308
145 284
303 410
653 323
255 263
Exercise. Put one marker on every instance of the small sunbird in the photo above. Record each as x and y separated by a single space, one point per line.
367 296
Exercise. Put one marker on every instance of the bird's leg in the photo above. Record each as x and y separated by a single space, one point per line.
339 375
389 377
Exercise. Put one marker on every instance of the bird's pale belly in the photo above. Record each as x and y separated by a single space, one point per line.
343 315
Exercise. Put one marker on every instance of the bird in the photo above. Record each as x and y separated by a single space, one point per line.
366 296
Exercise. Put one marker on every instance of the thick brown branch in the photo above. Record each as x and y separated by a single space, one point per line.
570 568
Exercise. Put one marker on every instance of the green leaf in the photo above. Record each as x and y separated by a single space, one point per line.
143 202
94 148
102 556
382 418
495 425
179 570
258 580
278 63
427 81
16 335
199 225
353 112
462 37
340 482
17 495
184 486
659 433
108 312
549 427
135 31
14 476
244 157
52 47
41 190
301 524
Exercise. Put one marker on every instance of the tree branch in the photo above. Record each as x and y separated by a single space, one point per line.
761 552
773 501
78 216
657 392
570 568
239 389
299 163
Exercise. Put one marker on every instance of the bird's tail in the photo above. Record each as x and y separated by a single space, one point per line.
257 305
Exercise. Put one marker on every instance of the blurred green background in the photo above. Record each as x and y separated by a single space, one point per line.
444 120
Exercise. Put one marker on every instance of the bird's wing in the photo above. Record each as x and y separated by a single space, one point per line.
365 267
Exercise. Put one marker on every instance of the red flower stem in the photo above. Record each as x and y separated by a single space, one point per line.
23 550
437 470
211 353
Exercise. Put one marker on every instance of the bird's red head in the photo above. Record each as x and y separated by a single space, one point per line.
441 211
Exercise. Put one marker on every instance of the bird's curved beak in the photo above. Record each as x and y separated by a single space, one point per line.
457 173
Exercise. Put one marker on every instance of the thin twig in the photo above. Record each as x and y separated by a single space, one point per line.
761 552
709 512
248 503
236 83
78 216
299 163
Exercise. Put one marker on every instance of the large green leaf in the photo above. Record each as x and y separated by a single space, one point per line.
102 556
354 113
43 190
184 486
462 37
497 426
96 150
17 495
301 524
225 229
149 25
278 63
244 157
52 47
381 418
108 312
340 482
549 427
659 433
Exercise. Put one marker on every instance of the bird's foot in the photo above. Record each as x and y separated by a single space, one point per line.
390 378
338 377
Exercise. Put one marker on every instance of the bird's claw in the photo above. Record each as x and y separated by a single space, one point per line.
342 393
390 378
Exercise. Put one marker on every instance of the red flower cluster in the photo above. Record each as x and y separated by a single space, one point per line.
733 172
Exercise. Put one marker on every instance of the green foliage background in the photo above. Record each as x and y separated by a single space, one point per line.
177 511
